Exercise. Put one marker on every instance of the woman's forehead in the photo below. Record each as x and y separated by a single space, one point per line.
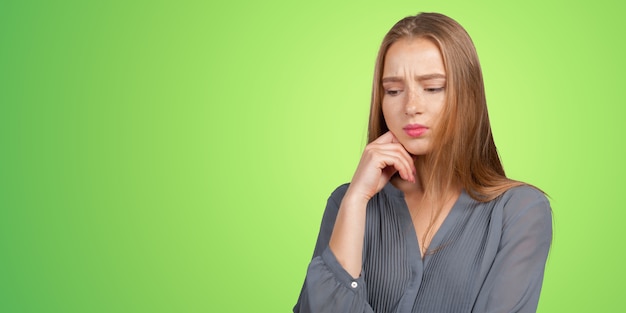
416 56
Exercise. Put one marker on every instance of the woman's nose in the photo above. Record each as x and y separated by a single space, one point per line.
413 104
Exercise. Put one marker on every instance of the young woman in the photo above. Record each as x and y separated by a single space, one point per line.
429 222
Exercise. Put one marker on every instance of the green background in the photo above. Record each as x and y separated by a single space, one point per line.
177 156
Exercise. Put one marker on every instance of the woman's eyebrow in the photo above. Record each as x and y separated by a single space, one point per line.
430 76
394 79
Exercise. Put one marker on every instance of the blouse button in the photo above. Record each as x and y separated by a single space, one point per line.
354 284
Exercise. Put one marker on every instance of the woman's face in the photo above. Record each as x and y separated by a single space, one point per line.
414 80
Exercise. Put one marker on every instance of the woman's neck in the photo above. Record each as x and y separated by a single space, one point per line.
407 187
419 187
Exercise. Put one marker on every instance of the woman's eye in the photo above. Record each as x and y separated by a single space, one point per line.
433 90
392 92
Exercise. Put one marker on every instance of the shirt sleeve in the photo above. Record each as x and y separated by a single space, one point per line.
513 283
328 287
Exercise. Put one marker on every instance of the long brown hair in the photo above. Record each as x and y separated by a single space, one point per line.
463 151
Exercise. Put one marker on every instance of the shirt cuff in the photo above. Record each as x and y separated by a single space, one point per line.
342 276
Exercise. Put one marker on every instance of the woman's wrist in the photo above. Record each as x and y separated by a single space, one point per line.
355 199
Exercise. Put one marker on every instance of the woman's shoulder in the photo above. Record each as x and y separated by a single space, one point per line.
524 191
524 200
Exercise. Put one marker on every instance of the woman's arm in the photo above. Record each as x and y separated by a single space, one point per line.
381 159
513 283
328 287
334 282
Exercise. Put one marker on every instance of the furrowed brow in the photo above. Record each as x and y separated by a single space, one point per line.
395 79
430 77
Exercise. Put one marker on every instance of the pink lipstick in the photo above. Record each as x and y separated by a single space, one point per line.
415 130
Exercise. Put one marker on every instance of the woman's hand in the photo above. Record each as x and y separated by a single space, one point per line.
381 159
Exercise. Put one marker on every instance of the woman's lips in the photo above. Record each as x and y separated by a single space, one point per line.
415 130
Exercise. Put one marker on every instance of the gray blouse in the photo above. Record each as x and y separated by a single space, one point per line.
489 257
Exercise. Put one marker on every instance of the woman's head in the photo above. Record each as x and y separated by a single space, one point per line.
460 147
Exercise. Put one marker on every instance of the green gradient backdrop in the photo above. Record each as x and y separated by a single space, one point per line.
177 156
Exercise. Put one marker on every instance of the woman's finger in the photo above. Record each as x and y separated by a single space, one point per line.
399 162
387 137
399 149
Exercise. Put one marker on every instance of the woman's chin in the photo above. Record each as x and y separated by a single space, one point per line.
416 150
